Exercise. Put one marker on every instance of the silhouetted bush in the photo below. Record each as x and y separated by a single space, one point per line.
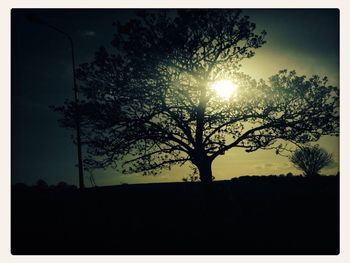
41 184
191 178
310 159
63 186
289 174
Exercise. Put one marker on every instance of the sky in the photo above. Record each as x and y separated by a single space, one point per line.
306 40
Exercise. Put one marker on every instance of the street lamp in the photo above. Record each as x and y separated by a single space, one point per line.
39 21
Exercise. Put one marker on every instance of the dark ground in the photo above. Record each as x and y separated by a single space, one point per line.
248 216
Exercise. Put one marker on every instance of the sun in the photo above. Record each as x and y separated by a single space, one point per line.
224 88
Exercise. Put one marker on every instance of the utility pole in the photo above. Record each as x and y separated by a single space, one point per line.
39 21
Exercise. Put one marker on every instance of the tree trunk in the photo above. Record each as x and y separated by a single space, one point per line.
205 172
208 201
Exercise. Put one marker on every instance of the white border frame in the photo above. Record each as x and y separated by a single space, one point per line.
5 117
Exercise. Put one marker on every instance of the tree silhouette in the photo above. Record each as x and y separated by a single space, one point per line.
152 105
310 159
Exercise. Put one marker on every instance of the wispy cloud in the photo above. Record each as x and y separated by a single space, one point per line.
89 33
264 166
273 166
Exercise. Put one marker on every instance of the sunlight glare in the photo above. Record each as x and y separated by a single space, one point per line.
224 88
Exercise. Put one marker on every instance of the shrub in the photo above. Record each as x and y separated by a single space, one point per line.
310 159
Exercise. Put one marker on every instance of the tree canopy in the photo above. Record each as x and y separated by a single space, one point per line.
150 102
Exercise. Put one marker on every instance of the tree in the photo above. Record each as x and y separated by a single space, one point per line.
152 105
310 159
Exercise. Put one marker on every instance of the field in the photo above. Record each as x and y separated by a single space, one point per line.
246 216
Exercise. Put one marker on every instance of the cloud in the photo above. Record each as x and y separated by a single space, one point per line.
89 33
273 166
332 165
264 166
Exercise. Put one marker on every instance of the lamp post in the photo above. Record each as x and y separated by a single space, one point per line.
39 21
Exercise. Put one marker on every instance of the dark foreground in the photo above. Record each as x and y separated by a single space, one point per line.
267 215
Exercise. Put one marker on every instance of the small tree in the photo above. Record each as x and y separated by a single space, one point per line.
310 159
